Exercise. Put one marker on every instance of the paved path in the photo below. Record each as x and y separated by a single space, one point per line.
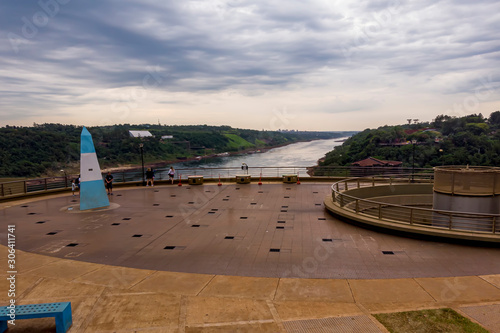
111 298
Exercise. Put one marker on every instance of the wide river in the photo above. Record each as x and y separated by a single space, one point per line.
293 158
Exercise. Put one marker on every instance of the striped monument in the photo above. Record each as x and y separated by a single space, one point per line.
92 191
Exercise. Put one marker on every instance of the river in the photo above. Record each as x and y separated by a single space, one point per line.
293 158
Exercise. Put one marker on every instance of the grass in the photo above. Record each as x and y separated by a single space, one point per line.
435 321
235 141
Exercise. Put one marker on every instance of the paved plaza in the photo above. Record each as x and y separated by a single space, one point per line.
233 258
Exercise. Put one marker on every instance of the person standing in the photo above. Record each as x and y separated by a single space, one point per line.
171 174
150 177
109 183
73 187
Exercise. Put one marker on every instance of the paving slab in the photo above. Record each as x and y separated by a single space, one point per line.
486 315
462 289
372 293
174 283
493 279
211 310
65 269
23 283
60 288
299 310
314 290
135 312
114 276
340 324
241 286
264 327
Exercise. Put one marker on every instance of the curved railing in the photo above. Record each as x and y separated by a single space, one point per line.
406 214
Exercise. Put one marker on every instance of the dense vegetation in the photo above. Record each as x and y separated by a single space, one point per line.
471 139
48 148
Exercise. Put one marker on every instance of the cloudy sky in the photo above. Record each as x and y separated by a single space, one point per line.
308 65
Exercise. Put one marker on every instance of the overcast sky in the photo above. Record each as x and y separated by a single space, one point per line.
308 65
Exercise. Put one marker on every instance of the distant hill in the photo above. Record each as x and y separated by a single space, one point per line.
471 139
45 149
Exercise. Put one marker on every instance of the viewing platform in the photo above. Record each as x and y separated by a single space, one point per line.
263 258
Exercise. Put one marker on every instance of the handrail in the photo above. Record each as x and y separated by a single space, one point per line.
395 213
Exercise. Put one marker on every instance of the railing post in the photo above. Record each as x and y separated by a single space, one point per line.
373 181
411 215
346 186
337 187
358 182
450 222
44 187
3 194
341 200
357 206
25 185
379 211
390 180
494 224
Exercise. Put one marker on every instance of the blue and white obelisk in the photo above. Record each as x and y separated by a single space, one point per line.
92 191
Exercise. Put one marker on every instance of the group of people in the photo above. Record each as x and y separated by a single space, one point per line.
108 180
150 176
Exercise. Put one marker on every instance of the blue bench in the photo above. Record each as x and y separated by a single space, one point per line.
61 311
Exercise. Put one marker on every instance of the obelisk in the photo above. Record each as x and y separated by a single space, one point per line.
92 191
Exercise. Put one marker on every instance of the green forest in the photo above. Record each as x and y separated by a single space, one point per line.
470 140
45 149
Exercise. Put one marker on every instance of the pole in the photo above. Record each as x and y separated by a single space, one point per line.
413 163
142 160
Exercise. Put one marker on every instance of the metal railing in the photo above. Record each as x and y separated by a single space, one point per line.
40 185
406 214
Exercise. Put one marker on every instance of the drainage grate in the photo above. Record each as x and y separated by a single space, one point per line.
317 204
191 202
253 203
115 223
137 236
283 211
169 216
388 252
286 197
237 188
31 213
118 195
172 195
195 226
284 206
225 199
243 217
52 233
156 204
280 227
24 206
211 212
157 190
327 240
73 200
207 191
315 192
321 218
40 222
229 237
169 247
72 244
126 218
274 250
281 221
214 209
288 188
260 192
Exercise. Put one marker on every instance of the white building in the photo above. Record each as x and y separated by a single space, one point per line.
140 134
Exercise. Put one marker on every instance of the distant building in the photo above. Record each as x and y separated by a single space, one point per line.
140 134
167 137
374 162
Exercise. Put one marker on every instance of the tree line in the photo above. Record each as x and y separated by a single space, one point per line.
467 140
44 149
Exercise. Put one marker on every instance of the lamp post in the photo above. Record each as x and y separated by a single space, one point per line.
65 178
141 146
413 161
442 156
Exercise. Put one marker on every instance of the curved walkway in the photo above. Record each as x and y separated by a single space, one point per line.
109 298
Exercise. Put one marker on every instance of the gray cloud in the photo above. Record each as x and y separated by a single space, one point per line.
80 47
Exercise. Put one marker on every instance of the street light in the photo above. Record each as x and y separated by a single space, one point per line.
141 146
413 161
65 178
442 156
